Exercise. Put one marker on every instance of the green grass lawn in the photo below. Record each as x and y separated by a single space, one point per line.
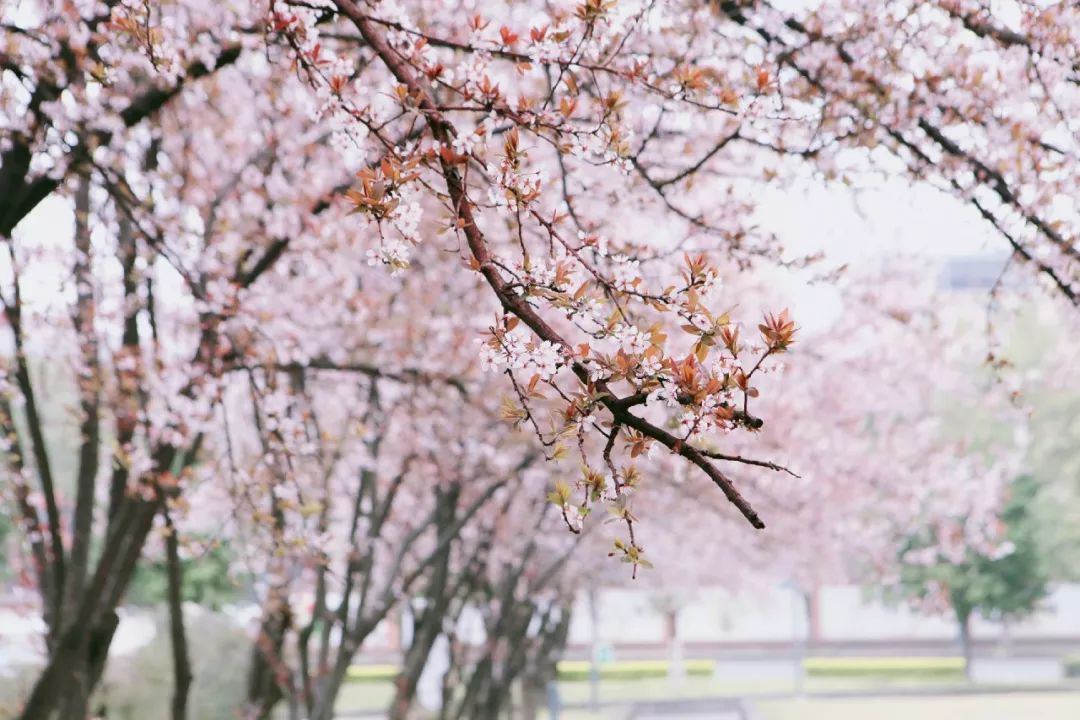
1020 706
365 696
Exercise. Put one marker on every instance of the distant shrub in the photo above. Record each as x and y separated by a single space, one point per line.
569 670
886 667
936 668
372 673
578 670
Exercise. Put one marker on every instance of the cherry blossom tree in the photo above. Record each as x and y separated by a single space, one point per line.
399 514
504 616
866 461
135 309
971 97
939 576
252 180
592 293
354 491
873 457
123 102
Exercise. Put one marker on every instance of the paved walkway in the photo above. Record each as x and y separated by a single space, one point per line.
715 709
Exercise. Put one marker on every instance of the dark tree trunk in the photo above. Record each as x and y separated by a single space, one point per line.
266 684
89 668
541 666
329 686
63 689
966 644
90 398
270 679
77 660
426 629
428 623
182 676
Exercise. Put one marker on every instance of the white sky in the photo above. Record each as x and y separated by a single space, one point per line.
890 217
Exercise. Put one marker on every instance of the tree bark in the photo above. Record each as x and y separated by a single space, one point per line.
269 680
428 623
182 675
541 668
89 401
78 657
966 644
90 666
128 370
264 680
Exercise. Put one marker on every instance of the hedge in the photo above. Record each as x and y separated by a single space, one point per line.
1072 666
372 673
907 667
820 667
571 670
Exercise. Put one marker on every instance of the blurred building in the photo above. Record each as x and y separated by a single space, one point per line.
979 272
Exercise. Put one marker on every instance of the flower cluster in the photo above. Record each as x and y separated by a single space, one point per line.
511 348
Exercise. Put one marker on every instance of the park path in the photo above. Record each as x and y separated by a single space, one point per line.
713 709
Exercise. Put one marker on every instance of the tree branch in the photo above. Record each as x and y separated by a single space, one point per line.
443 132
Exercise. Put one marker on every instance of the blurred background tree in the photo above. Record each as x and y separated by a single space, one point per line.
207 580
1006 584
